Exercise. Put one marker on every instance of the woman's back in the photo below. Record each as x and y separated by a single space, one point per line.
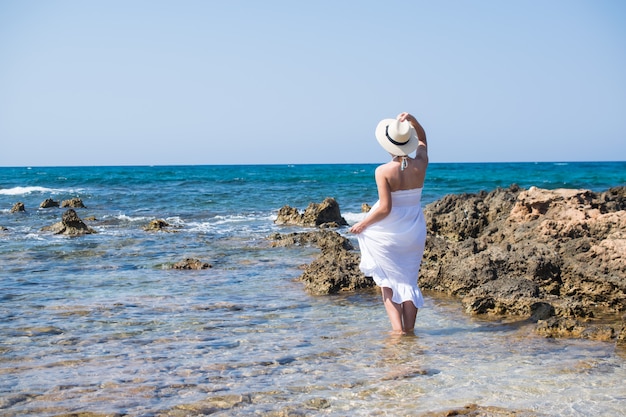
408 178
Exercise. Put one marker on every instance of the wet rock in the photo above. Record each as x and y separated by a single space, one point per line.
156 225
315 215
8 401
18 207
70 225
335 270
365 208
323 239
555 256
73 203
192 263
318 403
576 328
89 414
475 410
210 405
48 202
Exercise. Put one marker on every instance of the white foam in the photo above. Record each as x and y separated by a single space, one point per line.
126 218
175 221
27 190
352 218
220 224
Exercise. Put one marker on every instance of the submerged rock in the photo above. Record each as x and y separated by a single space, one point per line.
70 225
192 263
18 207
475 410
326 213
157 225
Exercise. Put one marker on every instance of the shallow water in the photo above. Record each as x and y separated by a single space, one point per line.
241 339
100 323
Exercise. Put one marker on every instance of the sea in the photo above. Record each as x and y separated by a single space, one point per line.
101 324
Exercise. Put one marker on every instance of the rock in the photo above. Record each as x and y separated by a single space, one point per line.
210 405
70 225
48 202
191 263
323 239
156 225
572 327
365 208
335 270
557 257
18 207
73 203
315 215
475 410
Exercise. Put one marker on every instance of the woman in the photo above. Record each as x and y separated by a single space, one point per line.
393 234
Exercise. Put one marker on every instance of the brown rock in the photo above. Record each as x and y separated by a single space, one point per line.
18 207
73 203
48 202
323 239
191 263
475 410
156 225
70 225
325 213
335 270
537 254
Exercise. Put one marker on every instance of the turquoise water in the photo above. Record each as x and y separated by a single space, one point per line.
100 323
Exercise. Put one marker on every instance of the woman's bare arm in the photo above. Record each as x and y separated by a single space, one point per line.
384 203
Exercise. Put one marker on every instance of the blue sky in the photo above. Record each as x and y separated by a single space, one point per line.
282 82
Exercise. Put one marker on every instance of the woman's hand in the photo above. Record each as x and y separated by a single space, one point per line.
357 228
406 116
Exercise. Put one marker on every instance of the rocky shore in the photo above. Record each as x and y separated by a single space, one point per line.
556 258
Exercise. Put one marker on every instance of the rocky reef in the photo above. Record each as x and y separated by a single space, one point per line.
556 258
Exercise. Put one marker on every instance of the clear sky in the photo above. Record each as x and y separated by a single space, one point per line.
288 82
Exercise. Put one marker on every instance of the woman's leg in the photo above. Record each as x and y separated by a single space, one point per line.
409 313
394 311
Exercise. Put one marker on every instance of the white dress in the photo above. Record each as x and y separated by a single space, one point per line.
392 249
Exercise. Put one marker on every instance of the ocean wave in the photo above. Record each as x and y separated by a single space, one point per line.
175 221
352 218
232 223
126 218
28 190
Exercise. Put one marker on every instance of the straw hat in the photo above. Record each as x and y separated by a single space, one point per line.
397 138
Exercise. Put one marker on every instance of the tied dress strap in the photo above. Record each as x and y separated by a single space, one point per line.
403 162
